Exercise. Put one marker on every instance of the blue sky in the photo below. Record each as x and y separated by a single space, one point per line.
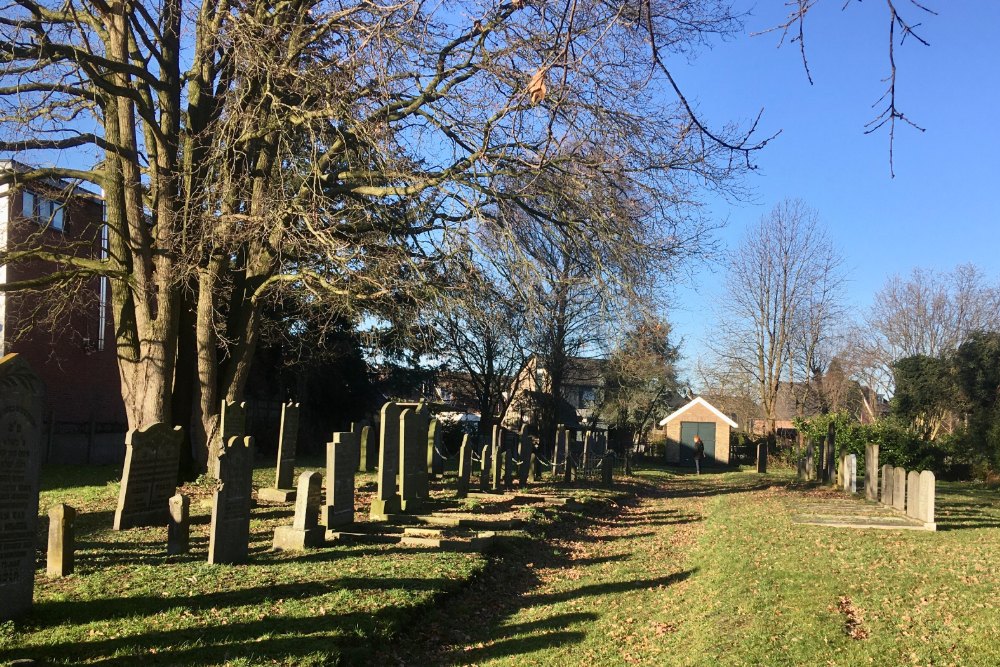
940 210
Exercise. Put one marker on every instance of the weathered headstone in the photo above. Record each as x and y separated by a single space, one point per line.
411 460
871 472
558 452
421 442
464 467
842 471
149 478
821 460
365 449
831 451
810 460
524 449
762 457
851 479
386 500
305 531
284 475
229 533
899 489
588 437
485 460
341 462
179 526
913 494
607 469
232 424
496 458
435 452
888 481
20 463
534 468
508 463
62 541
925 508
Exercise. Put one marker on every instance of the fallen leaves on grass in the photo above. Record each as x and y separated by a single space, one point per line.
853 619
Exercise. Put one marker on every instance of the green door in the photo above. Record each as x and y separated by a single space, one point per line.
707 432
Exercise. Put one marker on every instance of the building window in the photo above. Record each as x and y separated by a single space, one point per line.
45 211
588 396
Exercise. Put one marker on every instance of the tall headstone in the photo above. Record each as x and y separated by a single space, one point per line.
422 442
762 456
229 533
340 464
509 446
831 451
485 456
284 474
888 481
62 541
851 474
899 489
925 507
365 449
558 452
871 472
149 478
810 460
524 455
386 500
305 531
21 456
913 494
232 424
496 458
588 437
179 526
411 460
464 467
435 450
842 471
608 469
821 460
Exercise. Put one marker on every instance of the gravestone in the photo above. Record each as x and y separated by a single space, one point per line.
229 533
232 424
365 449
899 489
851 478
305 531
810 460
913 494
831 451
386 500
62 542
496 458
842 471
421 443
607 469
524 450
888 477
464 467
149 478
179 526
585 455
800 472
510 443
925 507
871 472
340 464
485 459
20 463
821 460
435 451
411 460
762 457
284 475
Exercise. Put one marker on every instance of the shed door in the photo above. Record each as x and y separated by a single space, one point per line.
707 432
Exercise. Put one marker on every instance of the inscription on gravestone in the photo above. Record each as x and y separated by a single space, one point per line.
229 534
21 457
340 464
386 499
149 478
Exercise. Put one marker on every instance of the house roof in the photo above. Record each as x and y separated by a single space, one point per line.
697 401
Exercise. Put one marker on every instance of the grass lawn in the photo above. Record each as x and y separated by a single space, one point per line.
673 569
128 601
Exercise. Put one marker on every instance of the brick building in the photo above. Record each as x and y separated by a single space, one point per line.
64 330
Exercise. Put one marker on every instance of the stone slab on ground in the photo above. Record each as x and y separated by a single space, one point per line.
844 513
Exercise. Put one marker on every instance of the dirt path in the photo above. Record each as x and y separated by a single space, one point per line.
600 590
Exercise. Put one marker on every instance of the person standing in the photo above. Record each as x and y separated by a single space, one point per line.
699 453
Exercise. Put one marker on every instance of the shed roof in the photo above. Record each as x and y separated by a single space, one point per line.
697 401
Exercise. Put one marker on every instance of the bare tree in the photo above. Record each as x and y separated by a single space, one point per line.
927 314
780 294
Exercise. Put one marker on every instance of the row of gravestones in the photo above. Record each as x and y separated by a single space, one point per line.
910 492
583 455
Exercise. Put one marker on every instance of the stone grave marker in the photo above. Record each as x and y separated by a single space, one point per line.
340 464
421 443
464 467
21 455
62 542
925 507
851 479
524 450
232 424
149 478
899 489
871 472
913 494
585 455
509 446
435 445
365 449
608 469
888 477
229 533
496 458
810 460
284 475
305 531
485 460
762 457
386 500
179 527
411 460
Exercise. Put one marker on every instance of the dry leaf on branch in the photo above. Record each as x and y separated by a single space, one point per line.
537 87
